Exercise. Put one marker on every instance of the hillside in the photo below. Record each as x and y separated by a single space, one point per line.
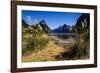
39 45
33 36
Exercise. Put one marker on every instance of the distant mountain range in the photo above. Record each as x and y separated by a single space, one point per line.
64 29
82 23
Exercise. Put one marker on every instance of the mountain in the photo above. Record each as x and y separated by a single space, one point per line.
64 29
41 27
24 24
44 26
83 23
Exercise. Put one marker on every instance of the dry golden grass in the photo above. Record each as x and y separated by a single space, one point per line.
48 54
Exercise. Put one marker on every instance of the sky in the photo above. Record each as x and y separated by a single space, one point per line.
53 19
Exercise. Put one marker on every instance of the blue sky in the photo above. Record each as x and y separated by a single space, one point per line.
53 19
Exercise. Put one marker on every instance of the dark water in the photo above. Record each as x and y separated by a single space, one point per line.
63 35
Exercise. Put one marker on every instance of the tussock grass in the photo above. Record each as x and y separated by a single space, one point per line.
48 54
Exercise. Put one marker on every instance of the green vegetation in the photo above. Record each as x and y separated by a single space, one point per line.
35 44
81 47
39 45
33 40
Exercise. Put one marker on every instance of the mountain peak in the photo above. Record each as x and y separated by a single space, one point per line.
63 29
64 25
42 22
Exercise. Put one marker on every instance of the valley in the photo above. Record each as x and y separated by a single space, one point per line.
51 50
41 43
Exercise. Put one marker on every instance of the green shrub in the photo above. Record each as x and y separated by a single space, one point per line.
35 45
80 49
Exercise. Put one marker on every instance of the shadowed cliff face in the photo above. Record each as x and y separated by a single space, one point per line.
24 24
45 27
83 23
81 49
